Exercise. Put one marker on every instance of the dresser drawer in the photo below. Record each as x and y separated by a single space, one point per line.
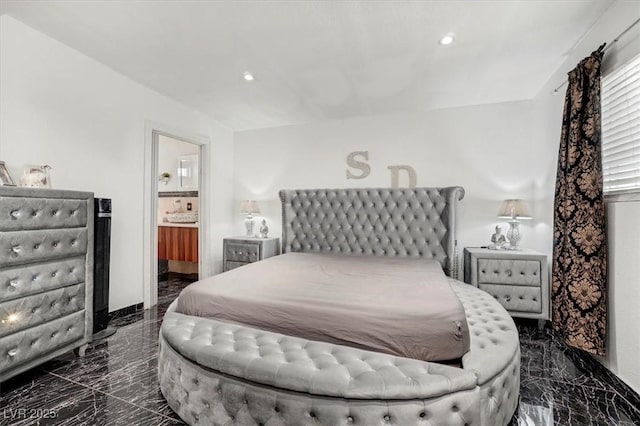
516 298
25 213
242 252
22 247
32 343
509 271
19 281
229 265
36 309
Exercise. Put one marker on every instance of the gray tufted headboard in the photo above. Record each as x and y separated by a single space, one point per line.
405 222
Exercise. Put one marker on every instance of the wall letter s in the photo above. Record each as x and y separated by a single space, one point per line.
360 165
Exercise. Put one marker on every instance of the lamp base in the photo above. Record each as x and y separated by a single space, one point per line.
513 234
248 224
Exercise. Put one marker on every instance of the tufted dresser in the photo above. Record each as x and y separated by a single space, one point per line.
46 275
517 279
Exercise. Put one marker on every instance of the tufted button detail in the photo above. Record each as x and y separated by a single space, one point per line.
386 417
13 283
454 408
423 415
55 244
312 414
276 409
16 249
12 352
349 419
34 213
15 214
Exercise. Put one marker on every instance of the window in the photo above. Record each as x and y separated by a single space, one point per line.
621 129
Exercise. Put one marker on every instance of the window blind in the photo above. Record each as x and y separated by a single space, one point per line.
621 129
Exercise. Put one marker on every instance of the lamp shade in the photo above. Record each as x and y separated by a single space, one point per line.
514 209
249 207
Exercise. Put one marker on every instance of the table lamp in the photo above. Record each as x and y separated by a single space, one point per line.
514 210
249 207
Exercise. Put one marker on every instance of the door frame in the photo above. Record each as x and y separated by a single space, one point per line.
150 205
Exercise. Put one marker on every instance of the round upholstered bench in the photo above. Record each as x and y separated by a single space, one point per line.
215 373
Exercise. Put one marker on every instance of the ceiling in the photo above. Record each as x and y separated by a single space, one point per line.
318 60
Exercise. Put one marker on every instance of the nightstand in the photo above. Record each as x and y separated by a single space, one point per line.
518 279
240 251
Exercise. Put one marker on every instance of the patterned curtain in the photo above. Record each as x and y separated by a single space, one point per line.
579 277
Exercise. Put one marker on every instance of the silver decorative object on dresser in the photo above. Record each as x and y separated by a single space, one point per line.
519 280
46 281
240 251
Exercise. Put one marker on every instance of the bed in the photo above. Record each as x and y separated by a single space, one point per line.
217 366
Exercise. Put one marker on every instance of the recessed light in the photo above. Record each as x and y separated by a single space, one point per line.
448 39
247 76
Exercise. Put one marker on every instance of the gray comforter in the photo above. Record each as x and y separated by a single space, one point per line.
403 307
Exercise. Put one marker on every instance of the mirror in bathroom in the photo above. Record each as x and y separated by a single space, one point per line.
188 172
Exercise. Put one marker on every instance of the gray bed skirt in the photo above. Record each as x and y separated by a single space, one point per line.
214 373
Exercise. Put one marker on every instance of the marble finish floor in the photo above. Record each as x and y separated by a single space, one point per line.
116 382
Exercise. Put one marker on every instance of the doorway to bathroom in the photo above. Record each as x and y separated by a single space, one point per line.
178 216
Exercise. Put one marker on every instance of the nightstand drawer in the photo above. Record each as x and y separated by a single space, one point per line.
509 271
516 298
242 252
229 265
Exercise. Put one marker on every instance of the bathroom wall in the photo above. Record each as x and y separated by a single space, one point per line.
168 204
169 150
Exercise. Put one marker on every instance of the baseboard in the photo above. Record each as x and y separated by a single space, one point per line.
128 310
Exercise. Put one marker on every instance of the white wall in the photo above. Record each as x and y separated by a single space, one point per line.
490 150
624 291
623 218
62 108
169 150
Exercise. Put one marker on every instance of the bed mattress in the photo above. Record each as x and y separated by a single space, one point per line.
403 307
